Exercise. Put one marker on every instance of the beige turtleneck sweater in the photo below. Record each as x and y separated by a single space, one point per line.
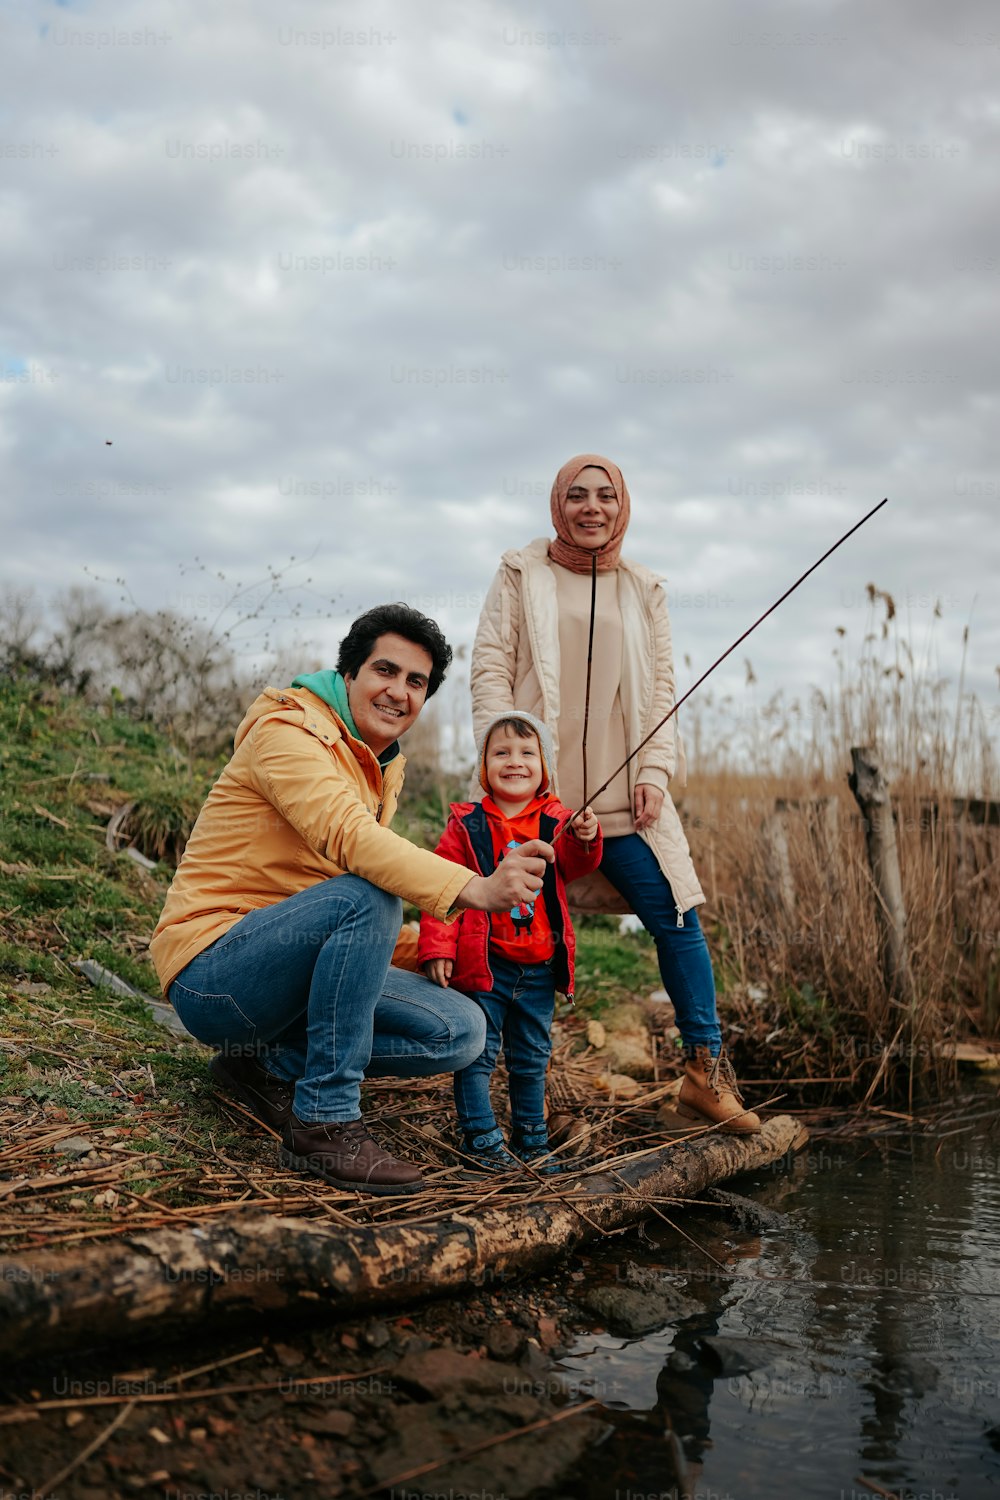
606 741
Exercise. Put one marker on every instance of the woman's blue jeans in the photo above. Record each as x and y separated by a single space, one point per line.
685 967
518 1011
305 987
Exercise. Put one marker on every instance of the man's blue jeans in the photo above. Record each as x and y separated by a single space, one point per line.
685 967
305 987
518 1011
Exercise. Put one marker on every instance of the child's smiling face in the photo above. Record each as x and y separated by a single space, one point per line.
513 767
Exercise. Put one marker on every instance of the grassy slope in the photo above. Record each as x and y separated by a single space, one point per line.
75 1050
61 766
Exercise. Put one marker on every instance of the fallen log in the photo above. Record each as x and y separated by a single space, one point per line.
259 1265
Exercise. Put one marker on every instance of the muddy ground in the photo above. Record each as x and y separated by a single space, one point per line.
461 1397
417 1389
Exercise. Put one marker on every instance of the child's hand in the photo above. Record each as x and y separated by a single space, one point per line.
585 826
439 969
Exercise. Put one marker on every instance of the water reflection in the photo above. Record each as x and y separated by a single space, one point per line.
853 1349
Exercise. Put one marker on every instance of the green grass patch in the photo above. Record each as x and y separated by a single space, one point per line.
612 966
64 768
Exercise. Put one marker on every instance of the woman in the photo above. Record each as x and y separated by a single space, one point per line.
531 653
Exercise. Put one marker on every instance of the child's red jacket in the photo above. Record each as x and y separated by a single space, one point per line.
468 841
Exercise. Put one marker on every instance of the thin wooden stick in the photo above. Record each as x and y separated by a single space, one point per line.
677 1228
217 1364
590 659
493 1442
729 650
203 1393
549 1188
44 1491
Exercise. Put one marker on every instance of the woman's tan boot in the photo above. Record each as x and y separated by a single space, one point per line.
710 1093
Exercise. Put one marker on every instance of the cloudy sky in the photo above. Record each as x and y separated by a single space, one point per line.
352 280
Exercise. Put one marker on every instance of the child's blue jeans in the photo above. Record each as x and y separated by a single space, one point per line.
518 1012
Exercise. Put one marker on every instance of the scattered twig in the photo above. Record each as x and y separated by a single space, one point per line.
44 1491
493 1442
43 812
683 1233
217 1364
152 1398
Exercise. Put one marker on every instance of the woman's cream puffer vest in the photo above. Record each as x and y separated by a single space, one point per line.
515 664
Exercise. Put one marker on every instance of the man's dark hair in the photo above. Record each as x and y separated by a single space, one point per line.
396 619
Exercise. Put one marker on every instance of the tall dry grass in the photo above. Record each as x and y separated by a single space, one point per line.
781 852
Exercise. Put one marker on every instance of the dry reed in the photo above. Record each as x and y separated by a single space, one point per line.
781 851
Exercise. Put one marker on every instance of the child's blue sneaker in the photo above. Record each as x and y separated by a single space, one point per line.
487 1150
532 1145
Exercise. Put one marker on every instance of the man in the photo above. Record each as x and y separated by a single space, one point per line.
279 934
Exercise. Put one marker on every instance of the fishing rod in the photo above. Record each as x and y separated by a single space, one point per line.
590 660
657 727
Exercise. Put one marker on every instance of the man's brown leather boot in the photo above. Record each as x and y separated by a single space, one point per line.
264 1094
346 1156
711 1094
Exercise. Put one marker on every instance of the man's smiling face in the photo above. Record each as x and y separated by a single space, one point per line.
389 690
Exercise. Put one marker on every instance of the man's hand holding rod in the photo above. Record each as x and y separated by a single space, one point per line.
517 879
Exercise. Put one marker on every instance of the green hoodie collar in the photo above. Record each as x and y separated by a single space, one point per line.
332 688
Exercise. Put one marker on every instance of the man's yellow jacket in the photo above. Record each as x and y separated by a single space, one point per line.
300 801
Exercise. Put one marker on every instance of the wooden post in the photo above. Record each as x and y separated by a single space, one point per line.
871 793
778 862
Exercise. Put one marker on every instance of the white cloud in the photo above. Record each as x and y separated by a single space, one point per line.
315 310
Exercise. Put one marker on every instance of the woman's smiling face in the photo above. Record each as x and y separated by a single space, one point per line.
591 508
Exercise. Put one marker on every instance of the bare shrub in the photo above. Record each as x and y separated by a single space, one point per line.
191 675
21 623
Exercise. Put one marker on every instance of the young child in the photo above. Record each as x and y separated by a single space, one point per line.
512 964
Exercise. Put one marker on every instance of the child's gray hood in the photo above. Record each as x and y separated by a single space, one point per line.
544 739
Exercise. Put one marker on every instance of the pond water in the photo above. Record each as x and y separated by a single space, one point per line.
856 1342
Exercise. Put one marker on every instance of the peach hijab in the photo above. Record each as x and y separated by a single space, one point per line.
565 551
